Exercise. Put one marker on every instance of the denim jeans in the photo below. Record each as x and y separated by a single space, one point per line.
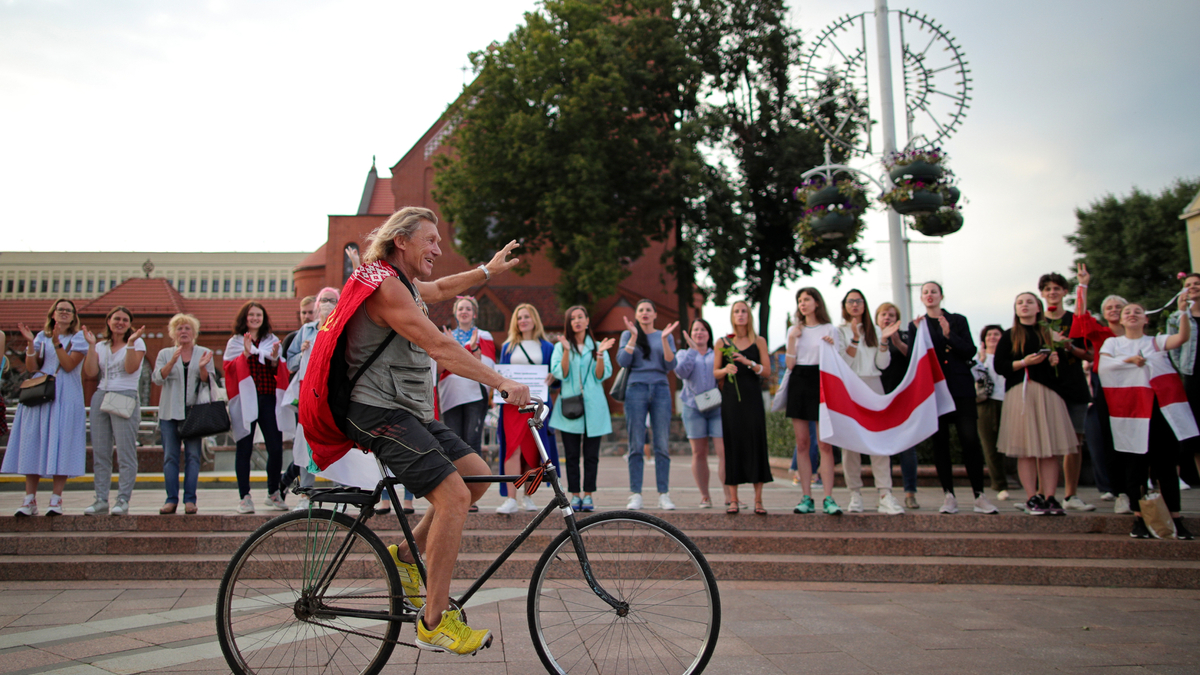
271 438
908 468
655 398
191 462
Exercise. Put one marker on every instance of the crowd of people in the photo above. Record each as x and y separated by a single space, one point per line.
1029 396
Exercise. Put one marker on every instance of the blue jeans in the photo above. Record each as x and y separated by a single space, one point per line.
655 398
191 462
908 467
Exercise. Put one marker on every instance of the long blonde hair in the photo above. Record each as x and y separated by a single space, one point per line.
749 324
403 223
514 333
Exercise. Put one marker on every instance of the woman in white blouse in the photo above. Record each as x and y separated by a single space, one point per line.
117 359
860 348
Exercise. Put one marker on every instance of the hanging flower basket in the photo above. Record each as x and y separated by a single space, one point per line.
918 201
830 194
917 170
940 223
834 225
951 195
833 211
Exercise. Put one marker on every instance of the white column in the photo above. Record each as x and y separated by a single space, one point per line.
899 247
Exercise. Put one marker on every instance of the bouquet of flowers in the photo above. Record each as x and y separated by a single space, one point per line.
729 351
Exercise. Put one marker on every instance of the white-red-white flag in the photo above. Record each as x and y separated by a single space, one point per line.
856 418
1130 391
243 395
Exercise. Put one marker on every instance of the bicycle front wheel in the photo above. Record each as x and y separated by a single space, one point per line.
674 608
290 604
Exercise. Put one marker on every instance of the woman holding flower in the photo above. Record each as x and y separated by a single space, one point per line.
742 360
1035 426
811 328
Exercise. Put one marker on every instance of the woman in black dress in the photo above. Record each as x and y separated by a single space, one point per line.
740 364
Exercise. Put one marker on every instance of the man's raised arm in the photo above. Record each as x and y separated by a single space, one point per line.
448 287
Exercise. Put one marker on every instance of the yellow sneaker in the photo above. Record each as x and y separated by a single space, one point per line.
410 580
452 635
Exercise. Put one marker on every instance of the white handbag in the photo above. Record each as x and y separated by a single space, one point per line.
779 403
118 404
707 400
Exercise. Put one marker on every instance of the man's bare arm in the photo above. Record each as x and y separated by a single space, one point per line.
448 287
393 305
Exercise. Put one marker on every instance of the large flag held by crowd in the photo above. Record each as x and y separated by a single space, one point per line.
855 417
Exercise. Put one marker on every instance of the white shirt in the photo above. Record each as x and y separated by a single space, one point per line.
867 361
534 347
1122 347
808 347
113 376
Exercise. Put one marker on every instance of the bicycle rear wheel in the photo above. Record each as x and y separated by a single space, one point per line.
274 616
674 615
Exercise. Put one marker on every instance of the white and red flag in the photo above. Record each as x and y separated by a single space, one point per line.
1130 391
856 418
243 397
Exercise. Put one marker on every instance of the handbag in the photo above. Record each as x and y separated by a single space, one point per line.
779 402
37 390
118 404
1155 513
620 383
707 400
205 419
571 406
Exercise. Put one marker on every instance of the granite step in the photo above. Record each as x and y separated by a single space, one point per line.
871 569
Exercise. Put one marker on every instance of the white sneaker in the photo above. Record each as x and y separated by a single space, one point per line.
275 501
1074 503
527 503
1107 497
855 505
509 506
246 505
301 504
28 507
889 505
635 502
664 502
97 508
1002 496
982 505
1183 485
121 508
949 504
1122 505
55 508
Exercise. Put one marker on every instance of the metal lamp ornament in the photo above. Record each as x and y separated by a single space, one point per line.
836 86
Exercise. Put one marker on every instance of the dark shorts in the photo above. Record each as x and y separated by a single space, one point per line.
420 455
804 393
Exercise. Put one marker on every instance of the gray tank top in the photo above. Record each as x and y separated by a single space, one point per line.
401 378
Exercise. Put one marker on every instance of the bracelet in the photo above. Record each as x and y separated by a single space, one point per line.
760 369
486 273
789 355
1082 286
854 342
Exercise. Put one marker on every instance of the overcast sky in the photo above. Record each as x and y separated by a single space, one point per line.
141 125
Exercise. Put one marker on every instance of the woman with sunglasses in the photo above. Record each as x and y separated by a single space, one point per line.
49 439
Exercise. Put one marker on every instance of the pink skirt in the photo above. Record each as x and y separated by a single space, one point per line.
1034 422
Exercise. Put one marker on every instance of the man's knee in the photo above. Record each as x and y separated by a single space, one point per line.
473 465
451 493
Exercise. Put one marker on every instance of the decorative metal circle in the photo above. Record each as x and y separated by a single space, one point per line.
936 86
835 85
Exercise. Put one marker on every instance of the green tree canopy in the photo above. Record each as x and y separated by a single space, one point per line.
1135 246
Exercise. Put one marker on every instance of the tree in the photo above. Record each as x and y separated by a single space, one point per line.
575 138
1135 246
749 56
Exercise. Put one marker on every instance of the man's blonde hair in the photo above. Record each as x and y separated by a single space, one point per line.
403 223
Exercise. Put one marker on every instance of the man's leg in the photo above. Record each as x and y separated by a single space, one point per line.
469 465
443 523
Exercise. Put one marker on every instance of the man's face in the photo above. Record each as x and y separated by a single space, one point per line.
421 249
307 312
1053 294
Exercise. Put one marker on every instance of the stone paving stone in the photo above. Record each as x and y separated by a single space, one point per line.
821 663
31 660
176 633
37 620
1172 669
782 644
110 644
745 665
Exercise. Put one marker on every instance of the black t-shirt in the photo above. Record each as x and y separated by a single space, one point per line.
893 375
1072 383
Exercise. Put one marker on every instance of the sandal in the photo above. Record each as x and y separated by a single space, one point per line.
168 508
759 510
731 508
474 509
189 508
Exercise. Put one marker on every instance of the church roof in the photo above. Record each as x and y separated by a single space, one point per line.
141 296
377 195
314 259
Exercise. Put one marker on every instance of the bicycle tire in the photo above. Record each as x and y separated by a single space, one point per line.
267 624
674 616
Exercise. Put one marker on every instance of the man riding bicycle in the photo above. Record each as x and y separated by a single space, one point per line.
381 338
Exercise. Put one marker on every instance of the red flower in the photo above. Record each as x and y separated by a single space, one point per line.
1052 308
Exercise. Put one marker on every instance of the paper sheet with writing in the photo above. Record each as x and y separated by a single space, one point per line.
533 377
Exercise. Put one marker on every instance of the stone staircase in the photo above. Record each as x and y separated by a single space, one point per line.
1078 550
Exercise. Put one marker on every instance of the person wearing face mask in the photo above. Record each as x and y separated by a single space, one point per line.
1134 361
50 439
951 337
1035 426
1184 359
649 355
297 363
582 365
117 358
464 402
254 374
1072 382
988 404
186 373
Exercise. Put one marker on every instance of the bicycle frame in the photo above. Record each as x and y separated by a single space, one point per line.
560 503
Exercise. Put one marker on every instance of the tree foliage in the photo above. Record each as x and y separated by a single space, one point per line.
1135 246
574 139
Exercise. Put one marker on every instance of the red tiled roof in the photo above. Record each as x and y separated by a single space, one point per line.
314 259
32 313
382 200
143 297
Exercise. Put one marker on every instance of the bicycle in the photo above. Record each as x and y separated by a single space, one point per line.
317 591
